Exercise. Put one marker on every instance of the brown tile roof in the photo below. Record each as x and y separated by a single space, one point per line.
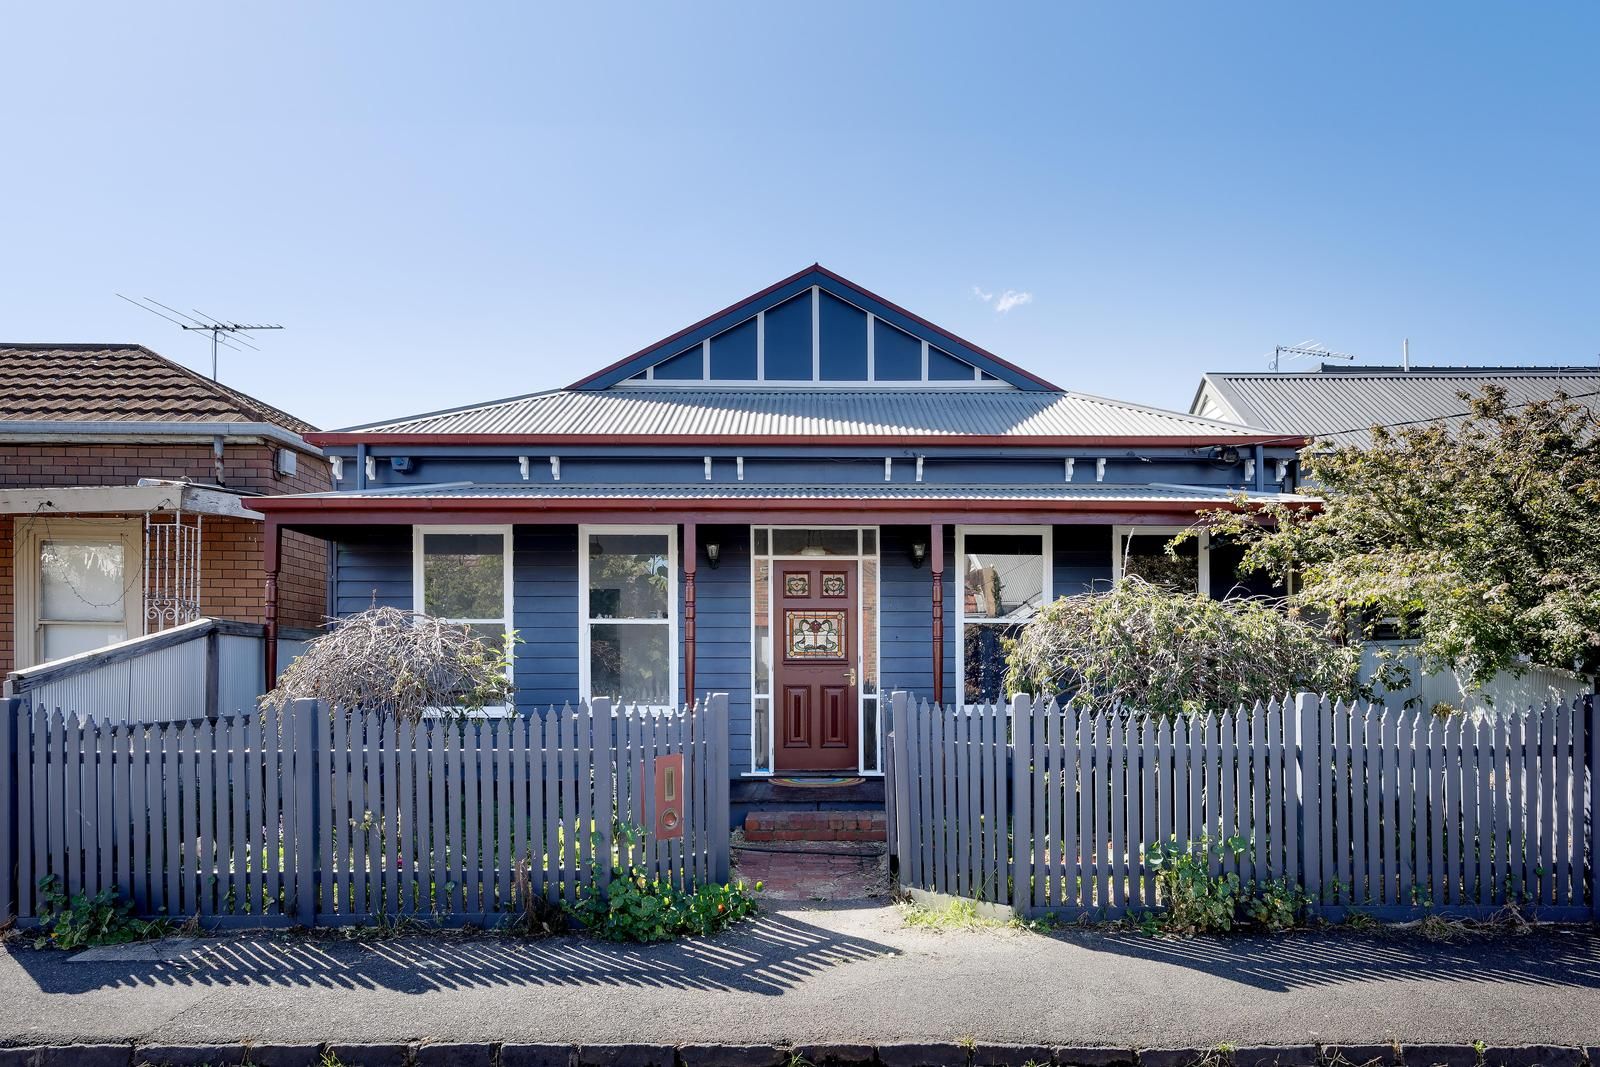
119 383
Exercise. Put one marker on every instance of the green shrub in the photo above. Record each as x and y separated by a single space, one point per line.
632 906
1168 653
1199 902
82 920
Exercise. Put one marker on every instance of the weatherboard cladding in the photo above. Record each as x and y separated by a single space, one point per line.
1341 406
808 412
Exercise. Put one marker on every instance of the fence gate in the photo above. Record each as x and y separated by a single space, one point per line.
1049 809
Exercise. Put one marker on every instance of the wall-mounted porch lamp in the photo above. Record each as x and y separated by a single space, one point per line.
919 552
713 553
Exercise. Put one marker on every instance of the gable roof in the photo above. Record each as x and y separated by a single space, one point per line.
119 383
687 416
827 281
1339 404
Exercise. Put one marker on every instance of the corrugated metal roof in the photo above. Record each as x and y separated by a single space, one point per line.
1097 492
1340 405
813 412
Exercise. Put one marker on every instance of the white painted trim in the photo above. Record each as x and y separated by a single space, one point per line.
1202 555
872 346
816 334
761 346
508 592
110 432
149 495
1047 546
584 621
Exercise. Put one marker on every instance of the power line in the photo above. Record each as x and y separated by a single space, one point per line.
1431 419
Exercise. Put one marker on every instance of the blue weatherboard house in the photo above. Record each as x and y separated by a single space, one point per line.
806 500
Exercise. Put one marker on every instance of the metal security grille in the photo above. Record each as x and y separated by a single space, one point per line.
171 570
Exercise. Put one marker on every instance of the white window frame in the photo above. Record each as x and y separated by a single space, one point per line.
1202 556
1046 545
673 609
419 594
30 533
756 559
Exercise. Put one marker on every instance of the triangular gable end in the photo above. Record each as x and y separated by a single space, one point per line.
813 330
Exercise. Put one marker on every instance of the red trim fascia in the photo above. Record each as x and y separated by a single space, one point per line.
647 349
507 440
358 511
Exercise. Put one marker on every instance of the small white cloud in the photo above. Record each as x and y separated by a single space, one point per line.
1011 298
981 295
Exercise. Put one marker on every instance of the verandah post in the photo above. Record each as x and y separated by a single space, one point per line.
1022 712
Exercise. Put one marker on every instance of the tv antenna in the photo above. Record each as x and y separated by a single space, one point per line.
1310 349
224 332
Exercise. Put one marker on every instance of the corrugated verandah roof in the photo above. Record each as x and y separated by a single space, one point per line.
779 413
1341 405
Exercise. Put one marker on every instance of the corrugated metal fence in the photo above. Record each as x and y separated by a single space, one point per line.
314 817
1049 810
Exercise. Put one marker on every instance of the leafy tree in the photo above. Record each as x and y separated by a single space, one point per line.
1168 653
1482 540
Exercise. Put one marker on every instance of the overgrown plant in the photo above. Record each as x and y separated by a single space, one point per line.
1200 902
82 920
629 905
1160 652
1480 539
399 663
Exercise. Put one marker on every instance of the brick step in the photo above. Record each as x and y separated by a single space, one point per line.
815 826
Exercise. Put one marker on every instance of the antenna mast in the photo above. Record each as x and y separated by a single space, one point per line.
1313 349
224 332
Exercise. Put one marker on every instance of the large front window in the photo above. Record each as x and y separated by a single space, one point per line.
462 575
630 598
1005 580
1141 552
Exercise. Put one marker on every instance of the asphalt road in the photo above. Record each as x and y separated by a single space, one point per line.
817 975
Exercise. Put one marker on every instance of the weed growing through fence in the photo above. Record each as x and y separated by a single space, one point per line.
81 920
1200 902
631 906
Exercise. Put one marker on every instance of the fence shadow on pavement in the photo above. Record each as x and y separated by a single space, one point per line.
1552 958
766 956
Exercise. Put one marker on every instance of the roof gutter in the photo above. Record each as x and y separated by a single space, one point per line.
118 432
346 439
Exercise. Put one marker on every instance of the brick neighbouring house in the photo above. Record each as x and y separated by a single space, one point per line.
125 489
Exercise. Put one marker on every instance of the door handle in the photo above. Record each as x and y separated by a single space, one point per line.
850 676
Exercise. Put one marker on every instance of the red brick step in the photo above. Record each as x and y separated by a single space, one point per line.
815 826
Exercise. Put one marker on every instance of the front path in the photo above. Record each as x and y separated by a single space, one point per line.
820 974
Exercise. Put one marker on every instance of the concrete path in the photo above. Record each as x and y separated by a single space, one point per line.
818 975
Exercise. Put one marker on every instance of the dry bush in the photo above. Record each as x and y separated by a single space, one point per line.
398 663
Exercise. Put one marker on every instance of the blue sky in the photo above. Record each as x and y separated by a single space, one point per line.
450 204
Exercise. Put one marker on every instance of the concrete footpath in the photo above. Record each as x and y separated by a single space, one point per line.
825 975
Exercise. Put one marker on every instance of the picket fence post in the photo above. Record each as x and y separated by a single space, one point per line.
10 839
306 717
899 716
1308 784
1022 712
1592 736
717 704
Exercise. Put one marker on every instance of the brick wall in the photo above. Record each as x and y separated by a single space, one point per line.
233 579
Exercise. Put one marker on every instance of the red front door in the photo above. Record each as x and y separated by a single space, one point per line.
815 645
